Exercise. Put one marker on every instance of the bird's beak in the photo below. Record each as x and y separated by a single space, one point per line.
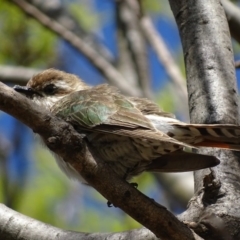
28 92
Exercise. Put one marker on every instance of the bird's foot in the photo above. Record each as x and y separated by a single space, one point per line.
109 204
134 184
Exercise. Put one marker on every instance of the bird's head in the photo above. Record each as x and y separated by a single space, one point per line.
49 86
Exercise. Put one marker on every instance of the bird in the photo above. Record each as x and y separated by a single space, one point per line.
130 134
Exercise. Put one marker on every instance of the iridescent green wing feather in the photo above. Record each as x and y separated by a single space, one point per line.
148 107
100 105
103 109
85 108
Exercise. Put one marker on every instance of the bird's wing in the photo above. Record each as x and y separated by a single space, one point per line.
103 109
147 107
100 105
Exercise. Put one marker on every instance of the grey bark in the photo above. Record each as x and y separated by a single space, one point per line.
17 226
214 210
16 75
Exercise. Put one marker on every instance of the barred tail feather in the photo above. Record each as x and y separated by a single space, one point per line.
203 135
224 136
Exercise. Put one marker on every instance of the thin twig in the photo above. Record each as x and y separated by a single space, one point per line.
16 75
58 11
111 73
137 45
237 64
124 64
164 56
233 16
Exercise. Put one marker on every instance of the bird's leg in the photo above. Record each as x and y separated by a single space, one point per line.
134 184
109 204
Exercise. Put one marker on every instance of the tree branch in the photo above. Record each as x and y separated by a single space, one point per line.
233 16
237 64
164 56
61 138
58 11
16 75
107 69
124 63
16 226
136 44
213 98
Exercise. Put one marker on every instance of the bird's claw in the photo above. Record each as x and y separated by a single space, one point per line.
134 184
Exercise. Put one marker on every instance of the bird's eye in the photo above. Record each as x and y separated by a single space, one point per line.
50 89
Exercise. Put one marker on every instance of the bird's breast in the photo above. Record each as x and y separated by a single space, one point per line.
126 155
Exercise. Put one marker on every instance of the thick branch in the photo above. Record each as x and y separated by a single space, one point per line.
61 138
16 226
213 98
107 69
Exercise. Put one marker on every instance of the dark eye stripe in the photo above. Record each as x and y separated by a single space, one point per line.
50 89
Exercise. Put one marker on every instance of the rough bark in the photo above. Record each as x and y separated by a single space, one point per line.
17 226
213 211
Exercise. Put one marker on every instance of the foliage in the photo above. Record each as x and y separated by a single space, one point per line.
51 197
85 15
23 40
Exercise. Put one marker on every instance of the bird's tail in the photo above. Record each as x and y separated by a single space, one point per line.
180 161
209 135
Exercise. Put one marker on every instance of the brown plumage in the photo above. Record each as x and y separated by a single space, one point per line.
131 134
